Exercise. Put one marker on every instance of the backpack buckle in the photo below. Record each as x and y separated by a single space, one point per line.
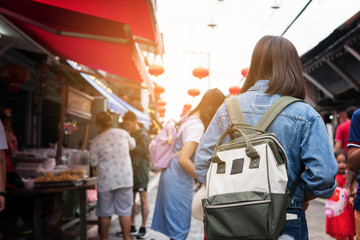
221 165
221 168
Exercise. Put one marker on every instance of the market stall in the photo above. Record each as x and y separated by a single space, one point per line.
48 173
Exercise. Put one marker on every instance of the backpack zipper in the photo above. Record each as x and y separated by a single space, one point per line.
237 204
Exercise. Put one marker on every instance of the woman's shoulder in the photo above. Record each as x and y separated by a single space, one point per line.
302 110
188 120
191 122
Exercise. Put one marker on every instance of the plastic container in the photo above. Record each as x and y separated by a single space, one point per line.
80 161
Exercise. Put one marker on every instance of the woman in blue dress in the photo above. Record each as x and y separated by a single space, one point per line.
172 215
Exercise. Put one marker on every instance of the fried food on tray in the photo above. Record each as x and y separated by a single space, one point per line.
67 175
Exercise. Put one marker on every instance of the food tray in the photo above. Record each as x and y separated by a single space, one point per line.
76 182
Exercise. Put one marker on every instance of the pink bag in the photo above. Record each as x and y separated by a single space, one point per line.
161 148
91 195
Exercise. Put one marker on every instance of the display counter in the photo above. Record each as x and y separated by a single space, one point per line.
53 221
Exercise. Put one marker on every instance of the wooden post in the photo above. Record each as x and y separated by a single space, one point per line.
62 119
86 133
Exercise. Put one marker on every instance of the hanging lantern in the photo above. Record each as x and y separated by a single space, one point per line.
186 109
160 103
187 106
161 111
156 69
159 89
234 90
200 72
245 71
183 114
193 92
14 73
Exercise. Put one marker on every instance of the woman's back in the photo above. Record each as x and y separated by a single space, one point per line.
301 131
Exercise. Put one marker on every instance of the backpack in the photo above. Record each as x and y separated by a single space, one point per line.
161 148
246 188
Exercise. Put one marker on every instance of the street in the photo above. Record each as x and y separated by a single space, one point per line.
315 218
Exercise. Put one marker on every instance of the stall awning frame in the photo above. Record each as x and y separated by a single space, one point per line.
115 103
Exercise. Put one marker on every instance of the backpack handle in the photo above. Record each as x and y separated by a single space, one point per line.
246 126
250 151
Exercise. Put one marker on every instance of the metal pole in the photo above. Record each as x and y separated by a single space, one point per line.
209 70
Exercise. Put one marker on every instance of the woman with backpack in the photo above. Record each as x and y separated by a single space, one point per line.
172 214
276 71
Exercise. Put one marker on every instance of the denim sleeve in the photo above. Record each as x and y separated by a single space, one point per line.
318 157
207 145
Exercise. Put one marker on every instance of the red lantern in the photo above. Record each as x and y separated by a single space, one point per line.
183 114
187 106
159 89
14 73
186 109
245 71
160 103
200 72
234 90
193 92
156 69
161 111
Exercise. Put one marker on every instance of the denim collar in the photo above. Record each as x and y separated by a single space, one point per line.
261 85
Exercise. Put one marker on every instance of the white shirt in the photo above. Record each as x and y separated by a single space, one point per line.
192 130
109 152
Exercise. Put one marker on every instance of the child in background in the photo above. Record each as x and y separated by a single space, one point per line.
341 227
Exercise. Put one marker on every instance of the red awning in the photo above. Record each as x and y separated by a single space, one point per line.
92 41
138 14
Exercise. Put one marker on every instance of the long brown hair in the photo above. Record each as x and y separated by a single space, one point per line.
276 59
208 105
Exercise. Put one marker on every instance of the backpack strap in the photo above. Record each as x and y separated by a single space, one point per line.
274 111
296 181
234 110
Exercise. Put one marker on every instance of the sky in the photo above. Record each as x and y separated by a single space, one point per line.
226 48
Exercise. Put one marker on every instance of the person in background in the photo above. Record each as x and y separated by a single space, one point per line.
109 153
342 132
16 208
140 159
172 214
275 71
3 146
342 227
341 141
10 136
354 163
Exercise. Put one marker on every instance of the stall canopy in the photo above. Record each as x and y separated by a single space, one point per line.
332 68
95 42
138 14
115 104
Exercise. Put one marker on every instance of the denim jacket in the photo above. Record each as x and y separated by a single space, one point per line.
300 130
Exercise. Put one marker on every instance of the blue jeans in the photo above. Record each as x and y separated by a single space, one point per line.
295 228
